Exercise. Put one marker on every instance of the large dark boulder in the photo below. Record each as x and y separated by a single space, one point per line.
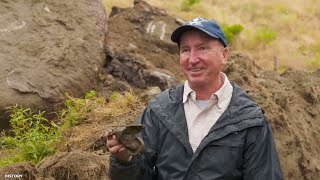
49 48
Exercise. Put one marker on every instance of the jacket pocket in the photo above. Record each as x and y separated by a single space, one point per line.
225 156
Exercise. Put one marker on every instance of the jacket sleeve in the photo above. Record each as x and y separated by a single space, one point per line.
260 155
142 166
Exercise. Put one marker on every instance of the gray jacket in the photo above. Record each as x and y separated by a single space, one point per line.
239 146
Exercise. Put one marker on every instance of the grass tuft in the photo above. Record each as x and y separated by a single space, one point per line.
187 4
33 137
314 64
264 36
78 109
231 31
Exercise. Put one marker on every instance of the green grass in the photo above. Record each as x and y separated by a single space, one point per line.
231 31
314 64
78 109
33 137
264 36
187 4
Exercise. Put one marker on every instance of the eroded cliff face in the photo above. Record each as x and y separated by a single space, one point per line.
291 102
139 49
49 48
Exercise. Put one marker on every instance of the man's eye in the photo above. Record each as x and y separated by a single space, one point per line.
184 50
203 48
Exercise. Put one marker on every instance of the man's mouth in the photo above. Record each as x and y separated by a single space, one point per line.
195 69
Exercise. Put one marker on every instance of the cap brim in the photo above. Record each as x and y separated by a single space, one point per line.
175 36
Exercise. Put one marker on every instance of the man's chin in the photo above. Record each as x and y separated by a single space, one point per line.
196 83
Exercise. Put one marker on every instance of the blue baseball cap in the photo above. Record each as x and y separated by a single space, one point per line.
207 26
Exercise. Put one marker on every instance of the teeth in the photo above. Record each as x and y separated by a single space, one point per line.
195 69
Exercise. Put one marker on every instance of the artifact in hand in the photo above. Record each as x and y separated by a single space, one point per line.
128 137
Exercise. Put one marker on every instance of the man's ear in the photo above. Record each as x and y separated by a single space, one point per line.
225 52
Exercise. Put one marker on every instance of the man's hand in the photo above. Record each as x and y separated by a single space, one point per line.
117 149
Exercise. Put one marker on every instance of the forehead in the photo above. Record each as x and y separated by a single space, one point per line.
196 35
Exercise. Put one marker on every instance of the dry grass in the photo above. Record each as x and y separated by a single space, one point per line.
103 115
296 24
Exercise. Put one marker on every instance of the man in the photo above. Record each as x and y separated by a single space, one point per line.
207 128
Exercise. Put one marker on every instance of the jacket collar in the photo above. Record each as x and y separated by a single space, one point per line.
169 108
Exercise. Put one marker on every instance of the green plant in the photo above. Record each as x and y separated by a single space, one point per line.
232 31
77 109
316 46
264 36
33 137
187 4
314 63
8 160
119 103
114 96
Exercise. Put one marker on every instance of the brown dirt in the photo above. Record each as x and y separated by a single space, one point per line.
74 165
291 101
291 104
27 170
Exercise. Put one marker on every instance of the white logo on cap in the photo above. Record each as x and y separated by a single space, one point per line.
197 22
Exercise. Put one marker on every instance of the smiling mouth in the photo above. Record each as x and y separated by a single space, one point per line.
195 69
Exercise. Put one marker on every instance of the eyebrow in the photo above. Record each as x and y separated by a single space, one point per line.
198 45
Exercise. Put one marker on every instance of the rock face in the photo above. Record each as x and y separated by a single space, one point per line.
49 48
139 49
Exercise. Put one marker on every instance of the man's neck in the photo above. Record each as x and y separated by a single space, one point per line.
205 92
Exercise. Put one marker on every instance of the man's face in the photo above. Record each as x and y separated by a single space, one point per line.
201 58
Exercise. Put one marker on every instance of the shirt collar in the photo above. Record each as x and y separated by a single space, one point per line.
222 94
186 91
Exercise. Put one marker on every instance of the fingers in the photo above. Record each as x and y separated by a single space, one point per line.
116 149
113 144
123 155
110 135
112 141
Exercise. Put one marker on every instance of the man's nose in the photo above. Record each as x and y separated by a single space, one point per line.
193 58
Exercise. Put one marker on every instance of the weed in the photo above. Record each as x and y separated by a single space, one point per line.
114 96
231 31
315 47
120 103
264 36
33 136
187 4
282 69
287 20
12 158
78 109
314 64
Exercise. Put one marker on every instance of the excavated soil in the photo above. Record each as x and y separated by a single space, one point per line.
291 102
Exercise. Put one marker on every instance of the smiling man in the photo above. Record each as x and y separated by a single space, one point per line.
204 129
